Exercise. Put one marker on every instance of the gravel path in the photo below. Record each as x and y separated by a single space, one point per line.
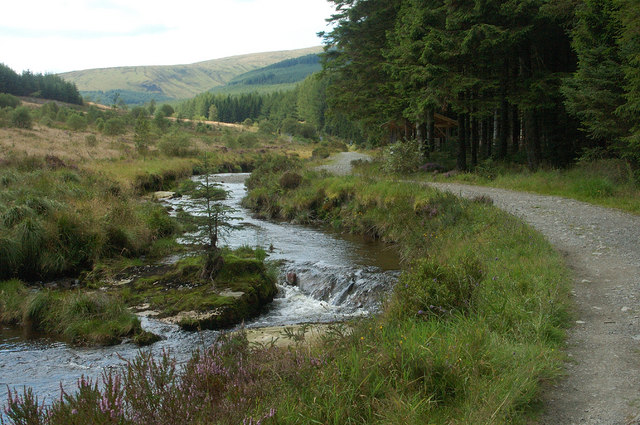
602 248
341 163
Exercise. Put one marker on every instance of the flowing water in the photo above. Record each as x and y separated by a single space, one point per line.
338 277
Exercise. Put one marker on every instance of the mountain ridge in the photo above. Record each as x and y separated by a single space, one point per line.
180 81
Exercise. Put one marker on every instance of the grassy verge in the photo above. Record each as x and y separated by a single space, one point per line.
56 220
78 317
608 183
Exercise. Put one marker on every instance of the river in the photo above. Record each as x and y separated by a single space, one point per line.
339 277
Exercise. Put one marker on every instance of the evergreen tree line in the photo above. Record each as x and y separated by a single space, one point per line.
306 103
541 79
47 86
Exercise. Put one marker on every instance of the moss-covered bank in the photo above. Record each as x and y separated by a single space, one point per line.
179 294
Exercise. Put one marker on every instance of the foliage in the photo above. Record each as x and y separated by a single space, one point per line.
21 118
459 340
176 143
8 100
402 157
59 222
114 126
48 86
77 122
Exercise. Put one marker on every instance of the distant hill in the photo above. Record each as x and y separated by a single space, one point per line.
137 84
282 75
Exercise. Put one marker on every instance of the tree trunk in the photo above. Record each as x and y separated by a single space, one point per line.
531 139
503 138
496 128
486 138
474 142
420 127
515 129
462 143
431 130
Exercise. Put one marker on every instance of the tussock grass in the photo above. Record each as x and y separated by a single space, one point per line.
77 317
59 222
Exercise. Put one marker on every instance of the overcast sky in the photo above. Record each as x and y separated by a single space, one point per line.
67 35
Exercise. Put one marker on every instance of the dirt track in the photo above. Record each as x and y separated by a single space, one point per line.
602 248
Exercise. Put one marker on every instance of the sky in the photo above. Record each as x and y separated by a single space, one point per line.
51 36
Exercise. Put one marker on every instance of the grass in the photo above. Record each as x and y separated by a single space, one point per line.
608 183
469 335
76 316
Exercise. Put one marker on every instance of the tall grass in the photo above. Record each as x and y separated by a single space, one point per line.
75 316
59 222
472 328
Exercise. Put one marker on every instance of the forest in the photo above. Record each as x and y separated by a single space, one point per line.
552 78
48 86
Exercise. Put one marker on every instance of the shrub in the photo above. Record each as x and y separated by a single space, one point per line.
320 152
308 131
176 143
8 100
61 114
402 157
114 126
21 118
77 122
290 180
100 124
49 109
91 140
247 140
266 127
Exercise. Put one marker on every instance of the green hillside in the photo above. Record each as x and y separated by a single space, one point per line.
280 76
176 81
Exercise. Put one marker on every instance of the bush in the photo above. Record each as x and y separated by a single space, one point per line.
21 118
49 109
266 127
8 100
247 140
320 152
402 157
91 140
114 127
176 143
308 131
77 122
290 180
100 124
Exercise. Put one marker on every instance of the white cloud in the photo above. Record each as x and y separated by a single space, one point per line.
65 35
